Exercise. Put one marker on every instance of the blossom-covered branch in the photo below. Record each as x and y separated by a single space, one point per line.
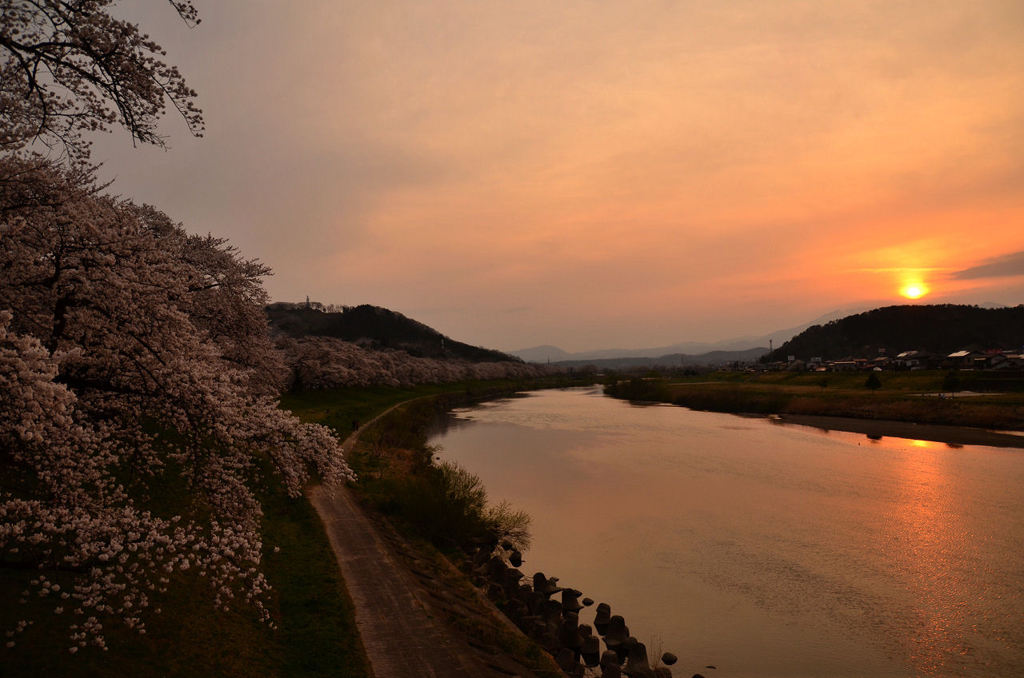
68 67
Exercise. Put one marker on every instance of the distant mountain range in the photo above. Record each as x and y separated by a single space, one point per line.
710 352
375 327
708 359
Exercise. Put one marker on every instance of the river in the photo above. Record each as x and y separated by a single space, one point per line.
764 549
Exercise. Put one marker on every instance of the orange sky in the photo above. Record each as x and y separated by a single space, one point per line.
602 174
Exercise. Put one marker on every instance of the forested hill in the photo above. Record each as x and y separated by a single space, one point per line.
376 328
936 328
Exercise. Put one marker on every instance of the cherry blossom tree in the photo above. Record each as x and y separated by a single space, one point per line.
133 358
69 67
327 362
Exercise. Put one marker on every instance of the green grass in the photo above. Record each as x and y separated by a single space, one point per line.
343 407
920 381
317 631
340 408
844 394
393 461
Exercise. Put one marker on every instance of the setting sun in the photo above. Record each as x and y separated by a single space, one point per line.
914 290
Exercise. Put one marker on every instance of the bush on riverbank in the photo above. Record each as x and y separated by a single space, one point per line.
439 502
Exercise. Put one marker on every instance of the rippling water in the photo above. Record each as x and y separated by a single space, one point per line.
765 549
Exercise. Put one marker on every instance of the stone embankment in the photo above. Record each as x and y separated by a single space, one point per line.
549 614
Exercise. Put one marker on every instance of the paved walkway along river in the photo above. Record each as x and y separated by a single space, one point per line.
403 603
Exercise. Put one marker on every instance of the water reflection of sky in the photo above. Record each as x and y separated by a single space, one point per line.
765 549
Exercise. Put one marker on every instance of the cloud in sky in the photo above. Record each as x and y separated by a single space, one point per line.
628 174
1006 266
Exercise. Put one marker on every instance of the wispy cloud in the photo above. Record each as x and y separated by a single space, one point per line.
900 269
1006 266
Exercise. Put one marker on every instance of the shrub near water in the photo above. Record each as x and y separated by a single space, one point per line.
446 505
440 502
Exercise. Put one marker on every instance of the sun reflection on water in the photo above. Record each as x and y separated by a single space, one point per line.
929 539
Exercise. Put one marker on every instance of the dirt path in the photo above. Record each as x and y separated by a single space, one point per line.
406 607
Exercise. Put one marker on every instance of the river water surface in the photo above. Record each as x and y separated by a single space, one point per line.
764 549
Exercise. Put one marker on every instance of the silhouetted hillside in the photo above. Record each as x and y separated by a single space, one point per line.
376 327
937 329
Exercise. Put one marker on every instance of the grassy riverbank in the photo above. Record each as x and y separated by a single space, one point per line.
983 399
343 408
436 503
438 511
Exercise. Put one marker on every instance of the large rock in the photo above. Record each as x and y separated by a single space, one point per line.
637 664
569 633
591 650
601 617
616 636
566 660
571 600
544 585
611 671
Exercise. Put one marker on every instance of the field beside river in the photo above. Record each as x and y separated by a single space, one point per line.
985 400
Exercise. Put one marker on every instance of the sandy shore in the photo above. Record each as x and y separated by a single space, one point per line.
953 435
